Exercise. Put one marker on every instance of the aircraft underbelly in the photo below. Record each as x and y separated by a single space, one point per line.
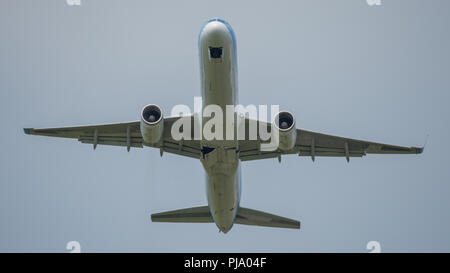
222 186
217 51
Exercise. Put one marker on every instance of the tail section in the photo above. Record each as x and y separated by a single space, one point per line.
244 217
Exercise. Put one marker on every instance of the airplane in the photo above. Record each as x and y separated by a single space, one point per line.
221 158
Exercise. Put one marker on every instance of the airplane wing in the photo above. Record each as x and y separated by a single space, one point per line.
125 134
308 143
315 144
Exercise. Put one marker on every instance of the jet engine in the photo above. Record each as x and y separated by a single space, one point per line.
287 133
152 124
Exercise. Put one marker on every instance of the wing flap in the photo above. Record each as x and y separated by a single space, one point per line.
113 142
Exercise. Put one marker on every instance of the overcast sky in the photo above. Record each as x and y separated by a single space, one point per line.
342 67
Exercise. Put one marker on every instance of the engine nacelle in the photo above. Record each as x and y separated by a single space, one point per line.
152 124
284 123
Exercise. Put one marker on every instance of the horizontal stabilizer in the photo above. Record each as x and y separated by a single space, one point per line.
259 218
244 217
190 215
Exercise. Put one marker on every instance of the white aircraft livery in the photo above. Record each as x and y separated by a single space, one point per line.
221 156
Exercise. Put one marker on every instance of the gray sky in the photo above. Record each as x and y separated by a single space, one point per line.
342 67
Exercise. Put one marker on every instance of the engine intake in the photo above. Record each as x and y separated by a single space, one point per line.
284 123
152 125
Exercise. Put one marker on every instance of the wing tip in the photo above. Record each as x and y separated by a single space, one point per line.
419 150
27 131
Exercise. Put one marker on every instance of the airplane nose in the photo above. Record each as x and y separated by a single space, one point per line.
216 33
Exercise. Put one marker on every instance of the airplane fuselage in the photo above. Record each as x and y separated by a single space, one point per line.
218 69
